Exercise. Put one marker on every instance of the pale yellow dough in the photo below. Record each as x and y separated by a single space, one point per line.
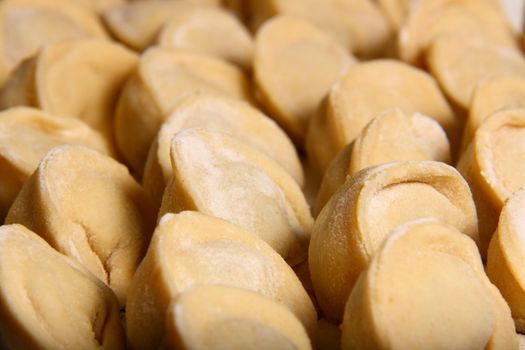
50 302
209 30
231 116
76 79
87 206
162 78
191 249
491 95
359 216
506 256
366 90
429 19
397 10
27 25
425 288
26 134
220 318
98 6
295 65
494 165
521 341
391 136
219 175
359 25
137 23
460 63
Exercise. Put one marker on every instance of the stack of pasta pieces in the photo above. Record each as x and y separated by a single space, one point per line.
262 174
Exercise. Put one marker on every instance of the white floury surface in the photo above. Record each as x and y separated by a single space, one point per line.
514 9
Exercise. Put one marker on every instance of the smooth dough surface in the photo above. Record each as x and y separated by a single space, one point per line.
204 31
162 78
358 25
190 249
429 19
26 134
78 79
28 25
295 65
88 207
364 91
491 95
220 317
506 256
397 10
219 175
228 115
431 269
391 136
359 216
459 64
99 6
493 165
49 302
137 23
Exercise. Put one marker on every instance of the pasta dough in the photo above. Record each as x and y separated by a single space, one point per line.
366 90
162 78
219 175
26 134
295 65
493 166
506 255
359 216
228 115
191 249
48 301
27 25
220 317
95 71
430 269
87 206
391 136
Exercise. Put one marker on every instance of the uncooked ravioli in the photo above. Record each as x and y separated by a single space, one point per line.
221 317
434 270
460 63
493 165
46 21
228 115
365 90
77 79
203 30
430 19
26 134
359 216
49 301
506 255
219 175
295 65
190 249
391 136
136 23
162 78
491 95
358 25
87 206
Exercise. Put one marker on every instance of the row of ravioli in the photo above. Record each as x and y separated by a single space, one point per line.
77 219
188 209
